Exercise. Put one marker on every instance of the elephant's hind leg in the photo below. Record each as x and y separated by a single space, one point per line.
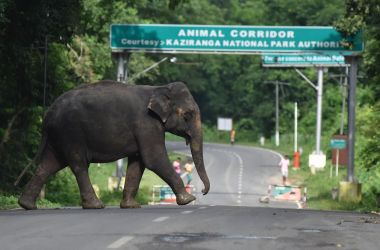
87 193
49 165
135 171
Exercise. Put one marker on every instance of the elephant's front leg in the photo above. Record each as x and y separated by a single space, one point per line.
155 158
135 171
167 173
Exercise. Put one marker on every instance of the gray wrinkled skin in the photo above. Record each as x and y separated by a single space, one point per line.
106 121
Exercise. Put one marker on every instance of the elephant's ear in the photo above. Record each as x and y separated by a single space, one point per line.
159 103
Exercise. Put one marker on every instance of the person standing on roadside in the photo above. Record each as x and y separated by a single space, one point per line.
189 166
284 165
177 166
232 136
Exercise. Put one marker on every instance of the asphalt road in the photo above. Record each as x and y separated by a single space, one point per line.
189 227
229 217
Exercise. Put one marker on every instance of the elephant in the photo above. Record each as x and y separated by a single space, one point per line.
109 120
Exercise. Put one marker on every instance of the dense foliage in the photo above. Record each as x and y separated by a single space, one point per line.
74 34
365 15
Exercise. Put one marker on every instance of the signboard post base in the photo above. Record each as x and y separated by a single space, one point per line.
350 191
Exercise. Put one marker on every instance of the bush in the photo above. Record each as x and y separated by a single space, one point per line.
63 189
144 195
243 133
368 157
8 202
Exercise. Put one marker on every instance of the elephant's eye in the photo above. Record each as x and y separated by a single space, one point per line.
188 116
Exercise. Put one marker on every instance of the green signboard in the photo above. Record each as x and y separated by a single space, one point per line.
303 60
338 143
176 38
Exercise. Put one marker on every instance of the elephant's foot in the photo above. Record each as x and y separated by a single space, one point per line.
184 198
92 204
27 203
131 203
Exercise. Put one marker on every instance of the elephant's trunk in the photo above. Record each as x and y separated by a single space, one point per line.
196 146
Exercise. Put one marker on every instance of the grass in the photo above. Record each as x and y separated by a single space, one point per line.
99 175
319 185
62 190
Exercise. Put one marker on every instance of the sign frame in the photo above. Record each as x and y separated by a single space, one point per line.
225 124
146 37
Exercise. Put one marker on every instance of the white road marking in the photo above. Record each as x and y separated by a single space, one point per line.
252 237
186 212
120 242
230 171
202 207
240 176
160 219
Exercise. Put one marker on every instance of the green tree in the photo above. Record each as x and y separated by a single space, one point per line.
365 15
24 27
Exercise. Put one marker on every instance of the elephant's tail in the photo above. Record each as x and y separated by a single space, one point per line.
36 159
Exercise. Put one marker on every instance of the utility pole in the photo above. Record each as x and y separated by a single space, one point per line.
277 133
319 89
319 110
343 82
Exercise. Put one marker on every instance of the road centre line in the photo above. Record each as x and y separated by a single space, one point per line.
120 242
240 167
240 176
160 219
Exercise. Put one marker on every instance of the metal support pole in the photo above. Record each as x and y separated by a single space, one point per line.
121 76
122 73
351 116
277 132
277 118
319 110
147 69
